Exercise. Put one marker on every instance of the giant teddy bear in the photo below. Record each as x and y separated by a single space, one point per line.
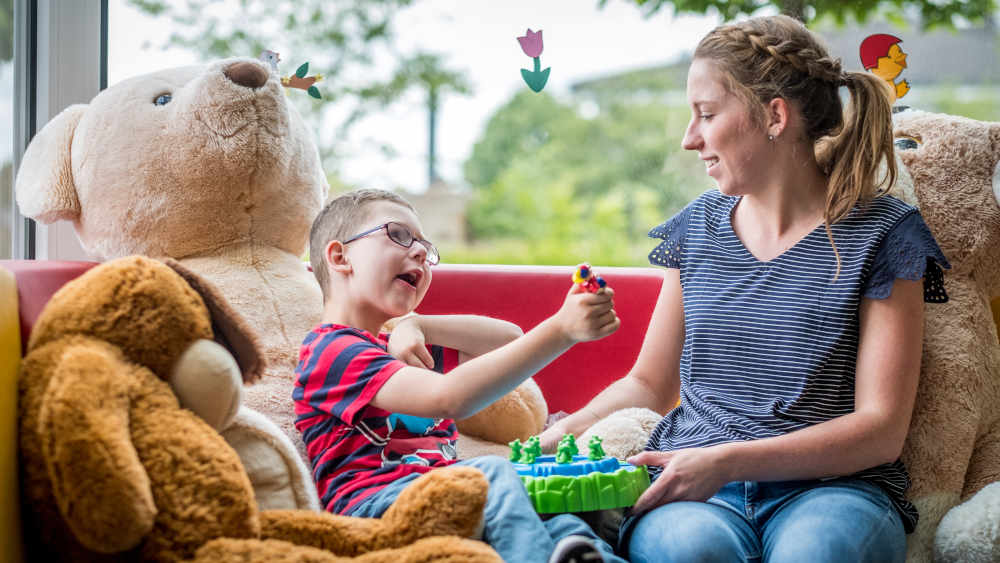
953 447
114 469
212 166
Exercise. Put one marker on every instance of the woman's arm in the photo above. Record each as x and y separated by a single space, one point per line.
888 368
654 380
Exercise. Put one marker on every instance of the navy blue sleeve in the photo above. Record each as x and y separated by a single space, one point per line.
669 253
908 252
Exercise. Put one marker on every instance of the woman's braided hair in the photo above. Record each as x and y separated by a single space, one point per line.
777 57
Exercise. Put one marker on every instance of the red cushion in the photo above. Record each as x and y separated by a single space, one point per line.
526 295
37 280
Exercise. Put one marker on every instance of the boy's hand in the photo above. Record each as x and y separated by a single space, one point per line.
406 343
587 316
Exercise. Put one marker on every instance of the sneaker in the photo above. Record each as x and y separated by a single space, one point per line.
576 549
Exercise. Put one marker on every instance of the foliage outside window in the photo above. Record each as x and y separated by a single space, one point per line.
7 213
551 179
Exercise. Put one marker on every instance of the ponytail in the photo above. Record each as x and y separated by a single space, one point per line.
852 158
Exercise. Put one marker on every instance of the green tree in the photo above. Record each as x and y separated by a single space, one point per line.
341 40
578 189
428 73
6 30
933 13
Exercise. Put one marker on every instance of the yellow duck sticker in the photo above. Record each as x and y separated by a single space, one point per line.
883 57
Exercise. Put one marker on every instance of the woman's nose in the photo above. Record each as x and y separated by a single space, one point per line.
691 138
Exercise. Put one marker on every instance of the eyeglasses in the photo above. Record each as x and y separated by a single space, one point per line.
402 236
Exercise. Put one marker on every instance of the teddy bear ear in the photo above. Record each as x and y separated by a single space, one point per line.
229 328
44 187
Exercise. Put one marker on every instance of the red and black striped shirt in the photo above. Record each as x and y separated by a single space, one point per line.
355 448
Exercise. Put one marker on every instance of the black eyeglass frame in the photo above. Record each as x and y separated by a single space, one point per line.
432 251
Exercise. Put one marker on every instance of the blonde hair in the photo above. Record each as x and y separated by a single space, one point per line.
777 57
339 220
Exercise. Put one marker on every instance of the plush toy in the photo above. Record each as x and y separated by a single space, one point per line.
953 448
212 166
113 468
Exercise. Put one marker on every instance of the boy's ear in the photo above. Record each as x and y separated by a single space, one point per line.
335 258
777 116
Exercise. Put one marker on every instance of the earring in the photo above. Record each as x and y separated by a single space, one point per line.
770 137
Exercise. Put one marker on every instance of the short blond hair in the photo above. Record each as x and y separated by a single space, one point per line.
339 220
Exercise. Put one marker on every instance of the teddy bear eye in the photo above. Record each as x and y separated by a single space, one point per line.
162 99
907 143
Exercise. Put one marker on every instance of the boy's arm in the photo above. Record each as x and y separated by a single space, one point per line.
471 335
475 384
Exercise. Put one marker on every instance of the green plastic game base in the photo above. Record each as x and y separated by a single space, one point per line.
594 491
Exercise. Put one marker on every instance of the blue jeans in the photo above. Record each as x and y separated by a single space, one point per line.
841 520
512 527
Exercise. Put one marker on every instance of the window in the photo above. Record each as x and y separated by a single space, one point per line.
8 216
500 173
57 60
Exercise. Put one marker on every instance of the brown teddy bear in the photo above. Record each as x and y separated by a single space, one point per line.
212 166
114 469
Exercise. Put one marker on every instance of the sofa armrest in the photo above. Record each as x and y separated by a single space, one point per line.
10 356
526 295
37 280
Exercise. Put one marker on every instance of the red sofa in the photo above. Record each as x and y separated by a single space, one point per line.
524 295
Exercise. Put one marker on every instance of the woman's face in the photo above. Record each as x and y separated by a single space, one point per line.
736 151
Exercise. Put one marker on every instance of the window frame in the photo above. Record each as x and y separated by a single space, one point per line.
61 53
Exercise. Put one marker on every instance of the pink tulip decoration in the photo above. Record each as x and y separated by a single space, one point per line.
531 44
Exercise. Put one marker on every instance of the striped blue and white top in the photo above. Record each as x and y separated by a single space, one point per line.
770 347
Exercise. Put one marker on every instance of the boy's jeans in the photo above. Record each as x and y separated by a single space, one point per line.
512 527
841 520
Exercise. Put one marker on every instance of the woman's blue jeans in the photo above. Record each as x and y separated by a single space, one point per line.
840 520
512 527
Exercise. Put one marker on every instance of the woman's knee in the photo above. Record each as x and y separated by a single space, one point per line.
841 522
690 531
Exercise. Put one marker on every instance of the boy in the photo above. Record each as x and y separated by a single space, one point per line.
371 423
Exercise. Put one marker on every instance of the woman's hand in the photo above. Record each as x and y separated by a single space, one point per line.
407 344
694 474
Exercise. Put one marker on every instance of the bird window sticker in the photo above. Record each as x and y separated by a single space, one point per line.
882 56
299 79
531 44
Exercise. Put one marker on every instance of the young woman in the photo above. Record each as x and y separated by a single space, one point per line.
789 322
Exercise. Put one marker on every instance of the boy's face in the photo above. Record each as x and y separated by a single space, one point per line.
388 277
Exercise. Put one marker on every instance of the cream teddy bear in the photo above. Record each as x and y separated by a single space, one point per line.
212 166
953 448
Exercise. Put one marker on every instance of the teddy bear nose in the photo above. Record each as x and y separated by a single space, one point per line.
246 74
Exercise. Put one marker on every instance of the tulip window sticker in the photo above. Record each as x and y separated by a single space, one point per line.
531 44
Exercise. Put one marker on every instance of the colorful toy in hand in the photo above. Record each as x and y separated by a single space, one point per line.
568 482
585 276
